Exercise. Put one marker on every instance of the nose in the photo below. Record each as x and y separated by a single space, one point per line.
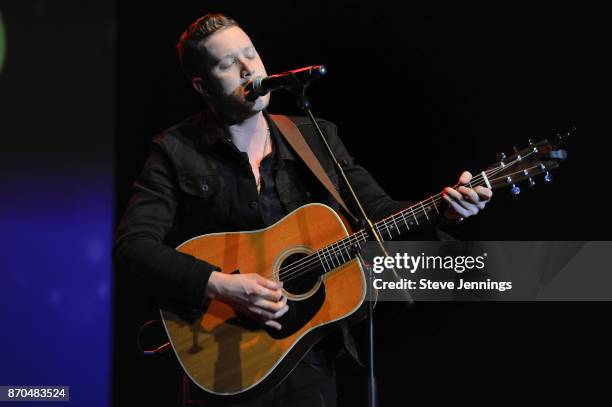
247 68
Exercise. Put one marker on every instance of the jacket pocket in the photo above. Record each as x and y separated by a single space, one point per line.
200 186
203 205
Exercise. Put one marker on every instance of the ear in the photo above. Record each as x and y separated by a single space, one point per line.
197 84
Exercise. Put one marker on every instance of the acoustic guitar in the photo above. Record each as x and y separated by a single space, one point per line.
313 252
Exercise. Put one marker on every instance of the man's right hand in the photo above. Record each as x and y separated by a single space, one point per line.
257 297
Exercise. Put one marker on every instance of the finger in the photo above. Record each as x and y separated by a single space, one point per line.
267 305
453 193
469 194
281 312
484 193
273 324
472 196
270 295
284 308
463 212
260 289
262 313
465 177
270 284
252 290
452 196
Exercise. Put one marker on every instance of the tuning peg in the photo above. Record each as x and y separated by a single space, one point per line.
501 156
531 182
515 190
531 141
548 177
515 150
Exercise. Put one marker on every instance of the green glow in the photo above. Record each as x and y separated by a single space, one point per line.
2 43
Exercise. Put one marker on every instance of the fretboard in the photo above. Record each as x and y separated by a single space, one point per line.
389 228
392 227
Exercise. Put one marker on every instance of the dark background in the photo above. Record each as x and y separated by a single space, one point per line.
420 92
57 128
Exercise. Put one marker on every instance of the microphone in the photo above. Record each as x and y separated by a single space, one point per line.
261 86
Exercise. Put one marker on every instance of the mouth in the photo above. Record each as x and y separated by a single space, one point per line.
248 91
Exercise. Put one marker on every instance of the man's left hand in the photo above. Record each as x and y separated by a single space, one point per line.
465 202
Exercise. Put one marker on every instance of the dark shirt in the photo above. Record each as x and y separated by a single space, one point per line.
271 207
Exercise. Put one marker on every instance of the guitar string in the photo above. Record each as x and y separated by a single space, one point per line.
327 254
293 270
343 245
333 257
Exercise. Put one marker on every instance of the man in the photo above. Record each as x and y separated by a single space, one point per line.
229 169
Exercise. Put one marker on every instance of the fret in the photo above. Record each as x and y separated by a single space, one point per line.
381 237
424 211
389 229
433 201
348 247
414 216
341 255
331 259
364 236
321 261
379 229
404 219
395 224
334 254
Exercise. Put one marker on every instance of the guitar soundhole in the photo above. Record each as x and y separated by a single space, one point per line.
298 276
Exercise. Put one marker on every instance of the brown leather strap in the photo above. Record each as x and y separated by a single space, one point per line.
294 137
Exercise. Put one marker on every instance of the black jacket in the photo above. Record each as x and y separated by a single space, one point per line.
192 184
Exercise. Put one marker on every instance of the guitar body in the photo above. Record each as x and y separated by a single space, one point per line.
229 356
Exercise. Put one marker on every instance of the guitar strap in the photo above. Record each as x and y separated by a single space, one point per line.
296 140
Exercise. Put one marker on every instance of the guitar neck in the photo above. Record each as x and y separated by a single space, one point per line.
417 214
389 228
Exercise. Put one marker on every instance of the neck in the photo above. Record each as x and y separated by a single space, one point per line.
249 134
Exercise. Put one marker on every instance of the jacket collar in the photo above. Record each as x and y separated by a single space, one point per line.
214 133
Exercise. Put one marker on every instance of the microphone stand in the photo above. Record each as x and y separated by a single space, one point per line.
299 91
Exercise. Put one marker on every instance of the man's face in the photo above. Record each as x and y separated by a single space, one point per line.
232 62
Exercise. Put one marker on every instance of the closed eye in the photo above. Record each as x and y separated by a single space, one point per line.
250 53
226 64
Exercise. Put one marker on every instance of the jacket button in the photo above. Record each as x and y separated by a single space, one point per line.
253 205
204 187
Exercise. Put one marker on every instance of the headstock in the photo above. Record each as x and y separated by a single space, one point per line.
540 157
